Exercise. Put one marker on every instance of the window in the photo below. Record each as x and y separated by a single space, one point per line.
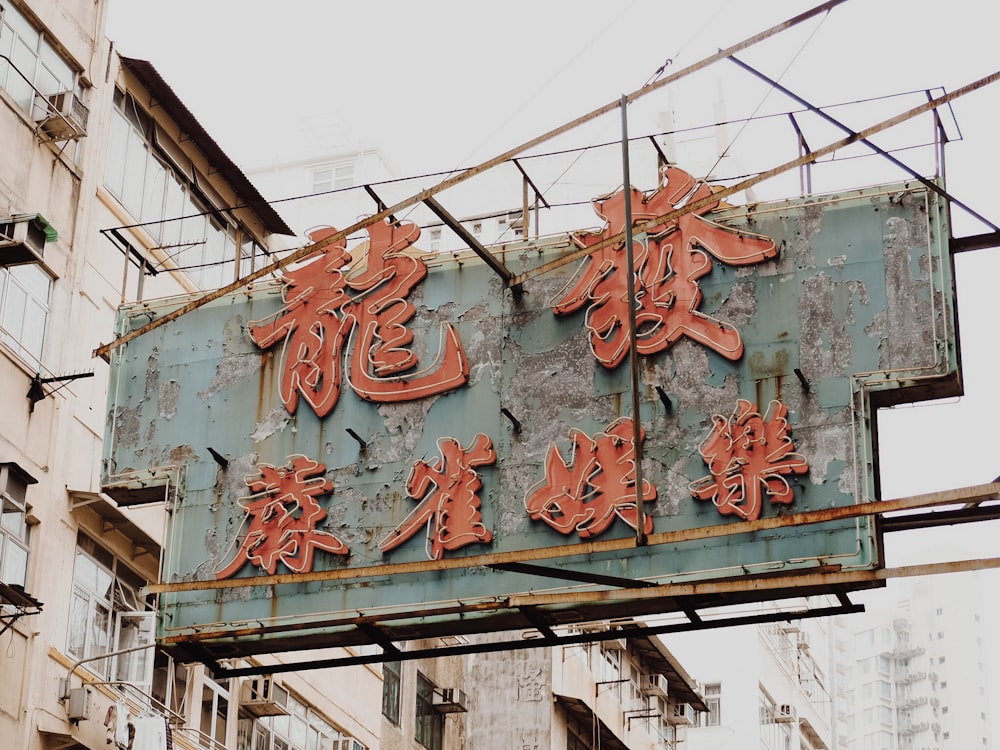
14 525
154 181
390 691
36 61
302 729
713 701
24 309
429 729
215 709
336 177
435 240
108 614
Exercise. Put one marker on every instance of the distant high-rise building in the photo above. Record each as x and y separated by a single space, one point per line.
913 673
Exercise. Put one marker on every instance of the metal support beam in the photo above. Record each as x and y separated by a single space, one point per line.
929 184
467 237
976 493
563 640
974 242
573 575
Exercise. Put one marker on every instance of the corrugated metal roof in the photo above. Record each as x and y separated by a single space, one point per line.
149 77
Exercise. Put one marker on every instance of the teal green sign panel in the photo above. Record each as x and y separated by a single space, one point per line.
396 443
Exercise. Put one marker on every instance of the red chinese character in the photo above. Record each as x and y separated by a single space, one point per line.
667 266
283 514
596 485
324 305
450 506
747 456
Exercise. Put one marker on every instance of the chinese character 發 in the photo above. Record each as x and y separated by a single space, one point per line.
449 506
748 456
667 266
596 485
283 514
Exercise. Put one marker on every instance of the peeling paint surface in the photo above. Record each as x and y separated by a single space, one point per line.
856 310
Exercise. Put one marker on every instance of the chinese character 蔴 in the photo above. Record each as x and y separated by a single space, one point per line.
449 505
330 315
596 485
283 514
748 456
667 266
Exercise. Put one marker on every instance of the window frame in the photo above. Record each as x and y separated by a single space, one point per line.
391 692
43 51
15 528
428 723
33 317
86 636
164 197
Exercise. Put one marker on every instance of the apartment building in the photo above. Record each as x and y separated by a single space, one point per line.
111 191
914 670
769 686
624 692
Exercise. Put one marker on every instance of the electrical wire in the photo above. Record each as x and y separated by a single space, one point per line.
770 90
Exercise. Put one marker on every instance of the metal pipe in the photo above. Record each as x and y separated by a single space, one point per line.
633 345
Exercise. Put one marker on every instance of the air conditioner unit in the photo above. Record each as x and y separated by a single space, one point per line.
680 714
262 696
654 684
449 701
22 240
62 116
614 644
783 713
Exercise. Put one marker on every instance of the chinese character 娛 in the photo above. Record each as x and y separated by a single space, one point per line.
596 485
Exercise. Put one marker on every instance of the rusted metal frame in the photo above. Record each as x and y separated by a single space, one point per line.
805 171
379 202
940 518
929 184
379 638
573 575
538 621
661 158
804 579
940 140
467 237
974 242
464 175
974 493
353 619
633 344
538 193
719 195
560 640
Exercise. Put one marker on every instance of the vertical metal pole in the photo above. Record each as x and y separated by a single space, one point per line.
633 350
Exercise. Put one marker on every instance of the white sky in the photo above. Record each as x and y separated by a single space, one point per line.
442 83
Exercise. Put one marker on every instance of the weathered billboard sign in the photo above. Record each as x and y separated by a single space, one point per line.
390 444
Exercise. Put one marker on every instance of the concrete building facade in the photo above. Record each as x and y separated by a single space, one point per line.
620 693
111 191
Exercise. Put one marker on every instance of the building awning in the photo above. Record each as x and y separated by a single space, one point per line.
113 518
584 714
51 235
